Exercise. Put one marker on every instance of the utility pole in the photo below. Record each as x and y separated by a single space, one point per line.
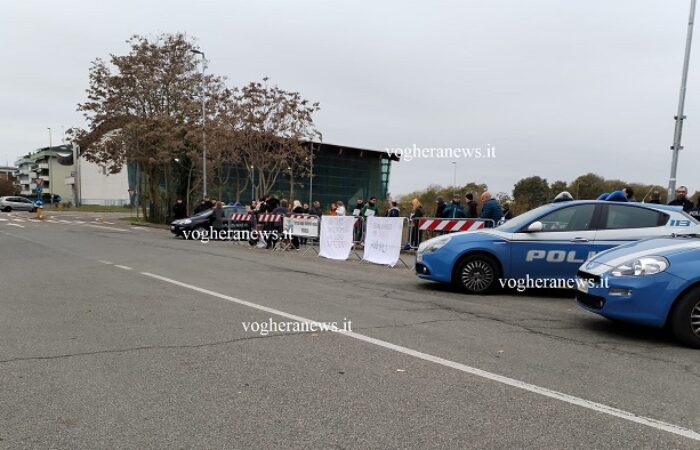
311 173
50 171
678 131
204 120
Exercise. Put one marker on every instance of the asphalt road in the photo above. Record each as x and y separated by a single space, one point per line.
114 336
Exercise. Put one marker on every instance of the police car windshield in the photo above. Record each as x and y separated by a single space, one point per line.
520 221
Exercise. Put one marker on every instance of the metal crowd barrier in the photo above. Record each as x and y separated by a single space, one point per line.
424 228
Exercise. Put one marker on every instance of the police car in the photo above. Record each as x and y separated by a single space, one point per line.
551 241
653 282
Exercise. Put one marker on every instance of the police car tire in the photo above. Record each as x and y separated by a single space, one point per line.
476 258
7 209
680 317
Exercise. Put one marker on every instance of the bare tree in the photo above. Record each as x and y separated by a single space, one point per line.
270 127
145 108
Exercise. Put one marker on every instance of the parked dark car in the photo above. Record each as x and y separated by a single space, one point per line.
202 221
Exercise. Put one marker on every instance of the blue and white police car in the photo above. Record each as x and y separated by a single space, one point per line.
551 241
653 282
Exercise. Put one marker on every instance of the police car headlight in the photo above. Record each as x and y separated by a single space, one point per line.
646 265
434 244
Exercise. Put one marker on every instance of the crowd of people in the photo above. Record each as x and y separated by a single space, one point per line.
488 209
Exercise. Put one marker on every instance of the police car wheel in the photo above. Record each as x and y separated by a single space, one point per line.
7 209
685 318
476 274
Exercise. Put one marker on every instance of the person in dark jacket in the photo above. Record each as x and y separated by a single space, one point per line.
282 209
371 208
629 193
179 210
682 199
273 203
655 197
471 207
316 209
440 206
490 209
201 207
393 211
454 210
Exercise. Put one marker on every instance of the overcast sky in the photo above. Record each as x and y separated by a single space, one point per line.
560 88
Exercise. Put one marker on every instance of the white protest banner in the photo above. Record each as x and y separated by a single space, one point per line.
336 236
302 226
383 240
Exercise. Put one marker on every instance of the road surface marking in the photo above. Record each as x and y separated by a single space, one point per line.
79 222
598 407
122 267
105 262
3 220
107 228
15 225
18 220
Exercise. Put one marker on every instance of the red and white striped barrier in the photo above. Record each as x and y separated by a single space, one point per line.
451 225
302 216
267 218
240 217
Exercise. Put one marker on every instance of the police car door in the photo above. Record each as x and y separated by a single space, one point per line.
561 246
621 223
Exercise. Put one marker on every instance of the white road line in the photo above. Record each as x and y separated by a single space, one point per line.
3 220
122 267
597 407
107 228
79 222
15 225
18 220
52 221
104 262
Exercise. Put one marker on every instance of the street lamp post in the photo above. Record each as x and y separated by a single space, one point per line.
50 171
311 173
678 130
204 119
252 184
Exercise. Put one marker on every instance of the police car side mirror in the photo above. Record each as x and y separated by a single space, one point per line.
534 227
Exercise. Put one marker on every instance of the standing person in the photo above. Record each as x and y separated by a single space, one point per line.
297 208
305 207
371 208
273 203
341 208
217 218
490 209
454 210
471 207
358 207
201 207
440 207
682 199
271 227
333 211
629 193
179 210
655 197
416 213
393 210
316 209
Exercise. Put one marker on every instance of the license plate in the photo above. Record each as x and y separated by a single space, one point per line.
582 285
